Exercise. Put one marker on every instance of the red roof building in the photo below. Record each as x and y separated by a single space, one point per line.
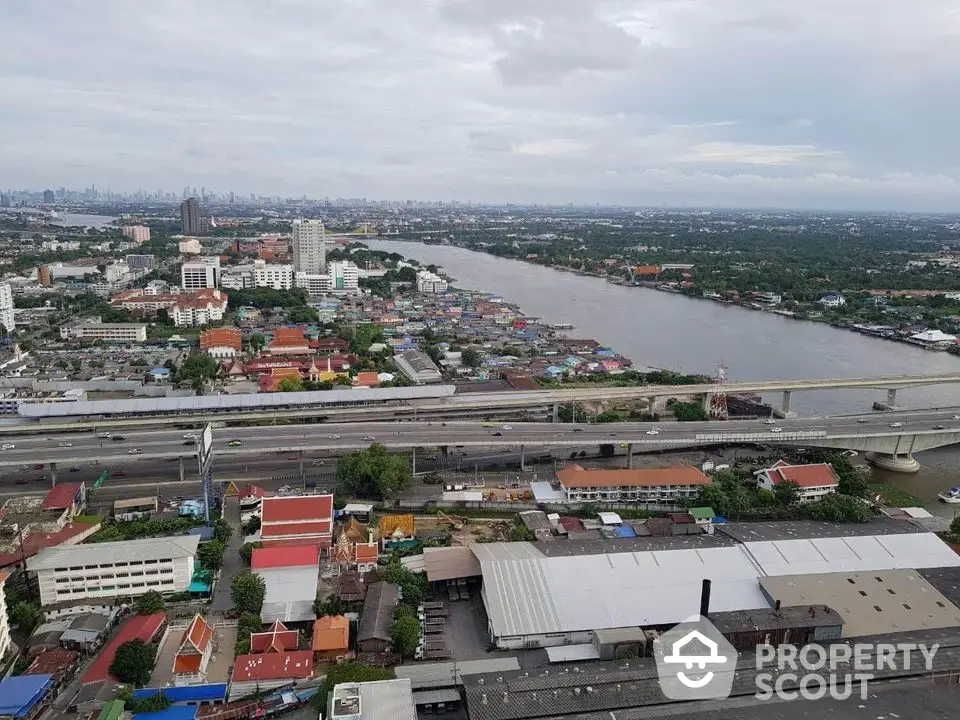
303 519
679 482
224 342
66 496
813 482
56 662
139 627
288 341
193 655
267 558
277 639
266 667
329 346
366 379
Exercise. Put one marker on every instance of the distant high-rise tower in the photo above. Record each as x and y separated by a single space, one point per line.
189 217
48 196
309 247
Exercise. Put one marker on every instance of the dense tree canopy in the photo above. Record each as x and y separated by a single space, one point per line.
133 663
374 473
247 592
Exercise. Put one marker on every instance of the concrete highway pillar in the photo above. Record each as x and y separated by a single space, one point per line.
300 462
629 456
785 404
556 412
413 459
53 474
705 402
652 404
183 471
522 463
902 462
891 399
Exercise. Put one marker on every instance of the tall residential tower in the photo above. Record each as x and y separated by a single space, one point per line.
309 247
189 217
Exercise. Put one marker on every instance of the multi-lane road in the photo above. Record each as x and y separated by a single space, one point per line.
68 449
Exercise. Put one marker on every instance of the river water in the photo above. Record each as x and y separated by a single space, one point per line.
671 331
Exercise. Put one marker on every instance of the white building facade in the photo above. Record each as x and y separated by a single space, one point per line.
340 277
276 277
108 332
114 569
309 247
200 274
428 282
138 233
6 307
4 625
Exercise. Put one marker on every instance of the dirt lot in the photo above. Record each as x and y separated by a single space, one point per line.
473 529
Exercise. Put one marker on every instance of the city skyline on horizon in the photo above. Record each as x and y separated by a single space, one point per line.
611 102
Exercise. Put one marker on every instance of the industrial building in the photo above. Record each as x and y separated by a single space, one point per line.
418 367
535 600
114 569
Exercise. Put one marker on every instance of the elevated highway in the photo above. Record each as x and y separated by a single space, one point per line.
890 438
440 401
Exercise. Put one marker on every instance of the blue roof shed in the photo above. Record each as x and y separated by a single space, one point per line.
188 694
21 693
174 712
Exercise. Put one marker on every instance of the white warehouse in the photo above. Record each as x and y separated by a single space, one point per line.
114 569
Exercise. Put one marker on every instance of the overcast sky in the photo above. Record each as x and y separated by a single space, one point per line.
791 103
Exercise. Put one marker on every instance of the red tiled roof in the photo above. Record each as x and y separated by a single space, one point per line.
221 337
805 476
34 542
368 379
273 666
281 557
322 541
197 636
187 664
286 509
252 491
366 552
331 632
320 527
288 337
138 627
61 496
278 639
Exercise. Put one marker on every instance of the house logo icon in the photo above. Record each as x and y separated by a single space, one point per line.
695 662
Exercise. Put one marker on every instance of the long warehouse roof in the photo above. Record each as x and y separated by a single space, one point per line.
251 401
528 593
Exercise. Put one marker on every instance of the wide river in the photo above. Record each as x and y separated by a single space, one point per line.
671 331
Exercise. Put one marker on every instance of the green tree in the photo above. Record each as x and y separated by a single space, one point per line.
210 555
470 358
333 605
257 342
955 529
713 496
413 585
405 633
247 592
246 550
198 369
608 416
290 384
222 530
149 603
839 508
787 493
374 472
133 663
247 624
25 616
302 314
688 411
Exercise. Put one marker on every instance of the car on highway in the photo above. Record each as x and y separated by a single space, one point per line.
333 437
771 421
369 438
496 433
135 451
118 438
118 473
578 429
65 444
776 429
506 427
9 446
652 431
896 425
861 420
189 436
317 462
939 427
235 443
38 466
39 478
558 434
103 435
75 469
489 425
23 481
956 417
191 441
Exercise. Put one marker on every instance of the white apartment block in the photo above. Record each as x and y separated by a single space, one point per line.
4 625
340 277
428 282
116 272
198 311
199 274
190 246
237 278
108 332
6 307
309 247
138 233
114 569
276 277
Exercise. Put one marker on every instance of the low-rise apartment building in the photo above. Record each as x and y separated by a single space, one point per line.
814 481
428 282
138 233
114 569
268 275
107 332
678 482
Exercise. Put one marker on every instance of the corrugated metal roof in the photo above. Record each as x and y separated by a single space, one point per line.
572 653
535 594
161 548
214 403
851 554
381 700
450 563
290 594
448 674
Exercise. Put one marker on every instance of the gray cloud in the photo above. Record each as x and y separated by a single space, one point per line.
787 102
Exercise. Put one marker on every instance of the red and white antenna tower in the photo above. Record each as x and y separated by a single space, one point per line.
718 396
